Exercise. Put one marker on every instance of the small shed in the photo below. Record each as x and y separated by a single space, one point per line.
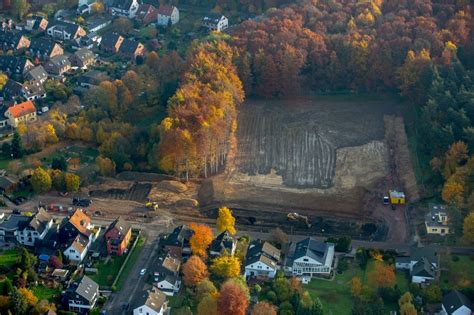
397 197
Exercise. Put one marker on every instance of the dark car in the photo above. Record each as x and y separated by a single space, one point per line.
81 202
19 200
16 211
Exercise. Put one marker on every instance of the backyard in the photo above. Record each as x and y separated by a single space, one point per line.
108 269
458 272
8 258
45 293
336 295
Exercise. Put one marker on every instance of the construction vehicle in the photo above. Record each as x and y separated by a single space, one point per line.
294 216
152 205
397 197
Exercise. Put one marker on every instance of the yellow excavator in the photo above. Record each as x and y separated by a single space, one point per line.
294 216
152 205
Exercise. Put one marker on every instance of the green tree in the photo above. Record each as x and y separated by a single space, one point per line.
17 150
18 303
72 182
309 306
59 163
20 8
57 179
41 181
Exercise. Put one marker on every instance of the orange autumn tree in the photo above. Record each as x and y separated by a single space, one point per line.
383 275
264 308
194 271
201 239
232 300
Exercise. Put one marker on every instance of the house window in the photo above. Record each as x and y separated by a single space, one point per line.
305 259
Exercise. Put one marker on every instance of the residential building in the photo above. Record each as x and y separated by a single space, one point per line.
177 243
78 223
9 226
13 40
224 243
88 41
153 302
215 22
82 297
111 43
262 260
7 184
37 74
436 221
118 236
3 124
85 6
77 248
125 8
456 303
82 58
21 113
36 229
146 14
45 48
167 15
166 275
58 65
12 89
310 258
33 90
131 49
36 24
96 24
62 30
12 65
422 264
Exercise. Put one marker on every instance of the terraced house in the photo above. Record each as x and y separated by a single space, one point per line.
118 236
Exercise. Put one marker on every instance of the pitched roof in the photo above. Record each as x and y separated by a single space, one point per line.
79 243
223 241
144 10
423 268
39 221
166 10
68 27
12 88
15 64
84 54
213 18
13 222
312 248
33 88
129 46
22 109
121 225
6 182
80 221
59 61
169 264
36 74
38 19
258 247
179 236
87 288
154 299
454 300
122 4
109 40
10 38
43 45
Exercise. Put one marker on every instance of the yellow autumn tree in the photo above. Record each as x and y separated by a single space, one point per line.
31 299
468 227
226 221
226 267
453 192
51 136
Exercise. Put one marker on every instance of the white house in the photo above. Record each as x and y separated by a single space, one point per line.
167 14
126 8
35 229
77 249
309 258
166 275
223 243
215 22
422 264
456 303
261 260
82 297
152 302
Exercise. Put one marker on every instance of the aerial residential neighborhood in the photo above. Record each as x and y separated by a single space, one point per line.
284 157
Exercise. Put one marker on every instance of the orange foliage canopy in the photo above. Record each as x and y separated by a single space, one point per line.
232 300
194 271
201 239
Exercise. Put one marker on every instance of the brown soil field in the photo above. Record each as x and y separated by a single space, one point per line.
316 156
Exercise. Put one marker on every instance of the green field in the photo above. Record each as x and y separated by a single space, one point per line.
336 295
8 258
457 274
45 293
108 271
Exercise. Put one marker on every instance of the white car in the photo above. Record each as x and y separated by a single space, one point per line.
142 272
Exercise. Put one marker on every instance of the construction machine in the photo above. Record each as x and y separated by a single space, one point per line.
152 205
294 216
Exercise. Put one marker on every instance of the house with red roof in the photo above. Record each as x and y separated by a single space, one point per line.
21 113
146 14
167 15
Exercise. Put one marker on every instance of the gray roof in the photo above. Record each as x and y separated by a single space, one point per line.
86 288
122 4
223 241
179 236
109 40
84 54
154 299
14 64
312 248
33 88
417 253
128 46
40 220
44 45
258 247
454 300
432 218
6 182
36 74
68 27
14 222
423 268
12 88
213 18
9 38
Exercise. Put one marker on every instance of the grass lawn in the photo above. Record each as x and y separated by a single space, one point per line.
457 274
107 271
131 261
336 295
8 257
45 293
4 163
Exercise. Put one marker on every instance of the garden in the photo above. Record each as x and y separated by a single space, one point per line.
458 272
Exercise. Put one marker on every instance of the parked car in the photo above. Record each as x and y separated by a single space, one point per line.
142 272
19 200
81 202
16 211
